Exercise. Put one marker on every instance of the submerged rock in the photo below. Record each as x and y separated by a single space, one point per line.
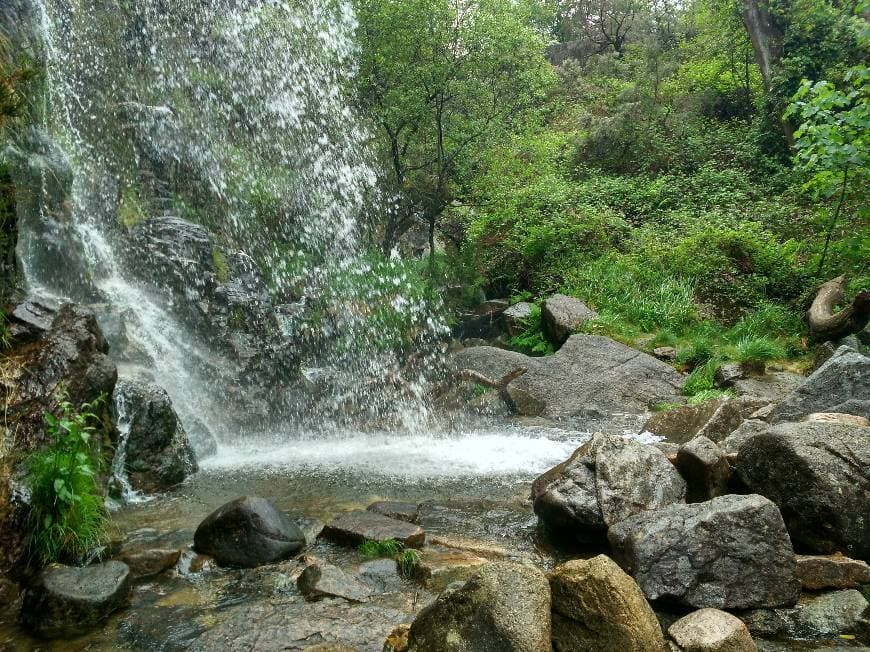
589 376
819 476
563 316
605 481
321 580
408 512
711 630
356 527
842 384
596 606
148 563
157 452
67 601
731 552
248 532
504 607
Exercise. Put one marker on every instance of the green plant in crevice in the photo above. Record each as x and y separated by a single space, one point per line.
701 379
532 340
760 350
408 562
67 517
5 334
708 395
377 549
221 269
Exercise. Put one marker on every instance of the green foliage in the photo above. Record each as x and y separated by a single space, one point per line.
408 562
375 549
705 395
67 517
219 260
131 210
760 350
5 334
532 340
701 379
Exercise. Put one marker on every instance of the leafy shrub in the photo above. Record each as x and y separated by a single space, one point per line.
67 517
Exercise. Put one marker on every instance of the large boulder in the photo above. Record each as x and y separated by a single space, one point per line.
731 552
842 384
505 607
714 420
589 376
596 606
605 481
818 572
66 601
248 532
711 630
830 615
156 452
819 476
563 316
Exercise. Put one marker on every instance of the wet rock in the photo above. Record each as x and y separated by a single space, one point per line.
589 376
819 476
731 552
29 320
606 480
474 546
596 606
711 630
397 641
832 614
838 417
705 469
248 532
381 574
817 572
281 624
331 647
516 317
67 601
439 568
157 454
714 420
504 607
148 563
767 623
321 580
9 594
728 374
354 528
563 316
408 512
842 384
770 388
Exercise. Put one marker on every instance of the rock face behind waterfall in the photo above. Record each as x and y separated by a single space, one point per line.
589 376
157 454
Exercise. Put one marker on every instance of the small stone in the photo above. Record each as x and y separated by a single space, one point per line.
728 374
838 417
408 512
321 580
67 601
711 630
596 606
563 316
439 568
248 532
148 563
516 317
358 526
763 413
818 572
397 641
705 469
667 353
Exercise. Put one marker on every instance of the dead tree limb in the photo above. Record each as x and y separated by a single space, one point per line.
469 375
825 324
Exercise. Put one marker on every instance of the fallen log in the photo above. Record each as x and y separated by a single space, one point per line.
469 375
825 324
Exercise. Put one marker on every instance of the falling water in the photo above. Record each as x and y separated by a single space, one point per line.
232 115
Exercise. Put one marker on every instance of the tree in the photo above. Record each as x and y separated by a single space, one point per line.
442 80
832 143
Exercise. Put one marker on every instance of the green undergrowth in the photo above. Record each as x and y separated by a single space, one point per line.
407 559
532 340
67 518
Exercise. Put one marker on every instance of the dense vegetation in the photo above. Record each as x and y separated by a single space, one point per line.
653 171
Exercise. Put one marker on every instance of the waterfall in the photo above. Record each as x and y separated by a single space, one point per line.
215 177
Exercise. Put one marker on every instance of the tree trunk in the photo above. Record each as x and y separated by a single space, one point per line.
825 324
